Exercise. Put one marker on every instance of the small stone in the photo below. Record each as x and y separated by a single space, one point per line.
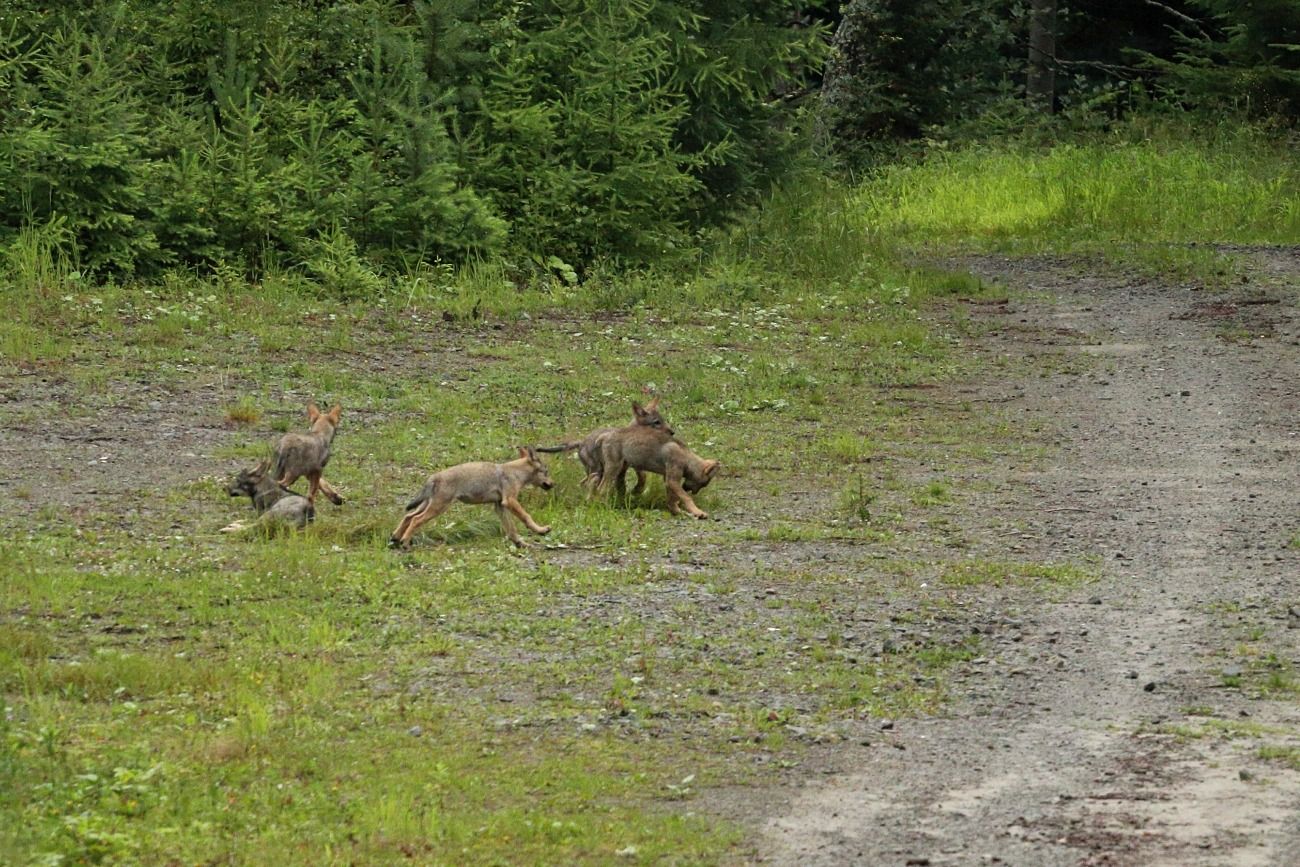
886 725
1131 675
1245 775
415 731
1149 686
1094 600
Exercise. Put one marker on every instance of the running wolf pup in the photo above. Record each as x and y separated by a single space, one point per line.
478 482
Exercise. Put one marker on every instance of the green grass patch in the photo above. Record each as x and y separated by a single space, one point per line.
1216 728
1140 194
999 573
1286 755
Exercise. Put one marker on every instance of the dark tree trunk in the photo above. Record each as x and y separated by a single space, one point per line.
1040 89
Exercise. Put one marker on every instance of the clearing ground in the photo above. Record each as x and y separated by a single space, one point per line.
1040 614
1138 720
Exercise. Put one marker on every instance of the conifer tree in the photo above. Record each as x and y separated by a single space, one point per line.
1243 55
75 149
579 134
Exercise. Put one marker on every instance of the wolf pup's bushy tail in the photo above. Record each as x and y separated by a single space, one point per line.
277 466
562 447
423 497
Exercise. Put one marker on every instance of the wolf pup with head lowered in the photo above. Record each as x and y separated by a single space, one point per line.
651 451
478 482
273 504
307 454
591 448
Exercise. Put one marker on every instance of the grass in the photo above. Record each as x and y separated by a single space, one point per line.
1217 728
996 573
1287 755
243 412
1139 195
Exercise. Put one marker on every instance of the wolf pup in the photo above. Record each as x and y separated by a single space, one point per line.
273 504
652 451
307 454
591 448
478 482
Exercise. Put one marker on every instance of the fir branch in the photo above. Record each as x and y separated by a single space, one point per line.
1182 16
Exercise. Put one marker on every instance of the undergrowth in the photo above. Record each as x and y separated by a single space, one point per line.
1142 193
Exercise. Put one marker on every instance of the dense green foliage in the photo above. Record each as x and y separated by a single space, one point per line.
345 143
1245 56
341 138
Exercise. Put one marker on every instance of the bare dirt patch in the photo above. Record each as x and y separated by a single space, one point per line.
1121 723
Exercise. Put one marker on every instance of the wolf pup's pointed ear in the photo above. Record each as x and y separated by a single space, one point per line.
313 411
262 466
523 452
335 411
653 404
637 409
711 468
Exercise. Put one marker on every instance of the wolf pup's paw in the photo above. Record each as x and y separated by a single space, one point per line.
336 499
542 531
395 543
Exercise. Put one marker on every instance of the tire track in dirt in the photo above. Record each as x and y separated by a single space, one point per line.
1178 467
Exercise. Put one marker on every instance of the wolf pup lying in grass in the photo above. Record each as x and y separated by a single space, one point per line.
275 506
653 451
478 482
591 448
307 454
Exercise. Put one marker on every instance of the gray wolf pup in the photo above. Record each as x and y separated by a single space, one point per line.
651 451
307 454
478 482
273 504
591 448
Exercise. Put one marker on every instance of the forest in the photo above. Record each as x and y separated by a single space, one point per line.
953 343
350 142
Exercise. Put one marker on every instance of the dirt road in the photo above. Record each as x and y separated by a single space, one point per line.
1151 718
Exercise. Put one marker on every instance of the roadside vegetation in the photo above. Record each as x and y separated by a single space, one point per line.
1153 193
